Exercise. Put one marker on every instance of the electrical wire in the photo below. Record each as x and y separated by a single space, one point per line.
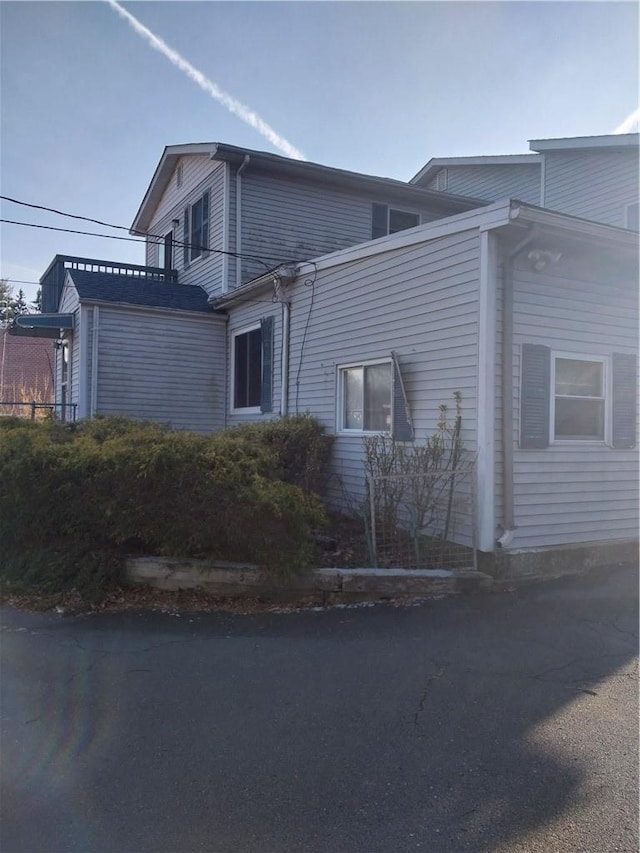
141 234
308 283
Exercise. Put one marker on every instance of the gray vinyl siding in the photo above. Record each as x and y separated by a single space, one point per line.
162 366
572 492
494 182
285 220
199 175
594 185
241 318
421 302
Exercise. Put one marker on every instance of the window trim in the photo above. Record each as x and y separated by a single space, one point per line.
340 407
627 209
243 410
606 396
389 208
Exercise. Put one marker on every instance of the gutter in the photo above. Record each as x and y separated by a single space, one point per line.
241 169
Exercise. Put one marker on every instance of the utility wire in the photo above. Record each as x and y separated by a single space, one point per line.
142 234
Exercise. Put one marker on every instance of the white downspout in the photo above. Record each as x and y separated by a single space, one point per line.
241 169
94 361
284 376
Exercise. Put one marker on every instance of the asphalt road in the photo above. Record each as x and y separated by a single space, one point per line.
492 723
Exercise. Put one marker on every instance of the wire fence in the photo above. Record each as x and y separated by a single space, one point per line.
422 521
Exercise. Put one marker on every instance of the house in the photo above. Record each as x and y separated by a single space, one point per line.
274 286
26 373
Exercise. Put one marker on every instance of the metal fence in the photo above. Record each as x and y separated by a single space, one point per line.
63 412
422 521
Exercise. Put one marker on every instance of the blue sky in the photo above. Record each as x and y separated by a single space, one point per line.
380 87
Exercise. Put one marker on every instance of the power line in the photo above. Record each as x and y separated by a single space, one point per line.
142 234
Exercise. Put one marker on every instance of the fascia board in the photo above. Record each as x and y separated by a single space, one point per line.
152 309
613 140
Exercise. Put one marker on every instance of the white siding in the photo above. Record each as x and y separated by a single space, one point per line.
592 184
577 492
285 220
69 304
162 366
199 174
494 182
421 302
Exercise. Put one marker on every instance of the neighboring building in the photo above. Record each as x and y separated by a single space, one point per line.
26 372
369 302
594 177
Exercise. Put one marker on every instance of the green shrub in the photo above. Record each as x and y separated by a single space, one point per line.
75 498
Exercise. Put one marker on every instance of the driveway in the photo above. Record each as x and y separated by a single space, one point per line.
491 723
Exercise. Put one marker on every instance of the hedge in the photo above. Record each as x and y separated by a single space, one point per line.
75 499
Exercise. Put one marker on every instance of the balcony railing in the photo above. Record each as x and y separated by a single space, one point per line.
52 281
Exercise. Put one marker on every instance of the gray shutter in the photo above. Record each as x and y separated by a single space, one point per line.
535 396
205 222
401 423
266 327
185 238
379 224
624 400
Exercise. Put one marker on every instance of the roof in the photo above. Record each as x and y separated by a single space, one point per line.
136 290
612 141
25 364
434 165
298 169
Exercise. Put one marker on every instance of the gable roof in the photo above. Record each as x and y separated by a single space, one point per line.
135 290
430 169
286 166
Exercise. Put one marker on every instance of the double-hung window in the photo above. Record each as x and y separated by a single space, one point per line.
252 367
365 397
578 401
389 220
196 229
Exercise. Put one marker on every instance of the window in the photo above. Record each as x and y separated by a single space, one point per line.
442 179
252 367
365 397
165 252
179 174
389 220
632 217
578 400
196 229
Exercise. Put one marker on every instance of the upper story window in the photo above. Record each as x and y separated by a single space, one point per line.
442 179
165 252
388 220
632 217
179 175
196 229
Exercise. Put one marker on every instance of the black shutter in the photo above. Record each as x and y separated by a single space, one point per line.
379 224
266 327
205 223
624 400
535 396
185 238
401 423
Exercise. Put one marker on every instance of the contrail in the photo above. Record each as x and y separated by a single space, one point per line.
234 106
630 124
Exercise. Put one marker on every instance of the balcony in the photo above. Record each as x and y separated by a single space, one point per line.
52 281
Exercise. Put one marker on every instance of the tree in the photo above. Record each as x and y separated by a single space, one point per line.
36 305
20 304
6 302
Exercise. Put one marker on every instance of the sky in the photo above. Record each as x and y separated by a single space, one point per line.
87 104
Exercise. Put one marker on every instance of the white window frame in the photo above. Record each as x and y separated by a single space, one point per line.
627 210
243 410
606 382
442 180
340 407
204 251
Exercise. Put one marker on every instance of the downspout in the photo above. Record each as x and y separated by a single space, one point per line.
284 380
241 169
94 361
507 391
